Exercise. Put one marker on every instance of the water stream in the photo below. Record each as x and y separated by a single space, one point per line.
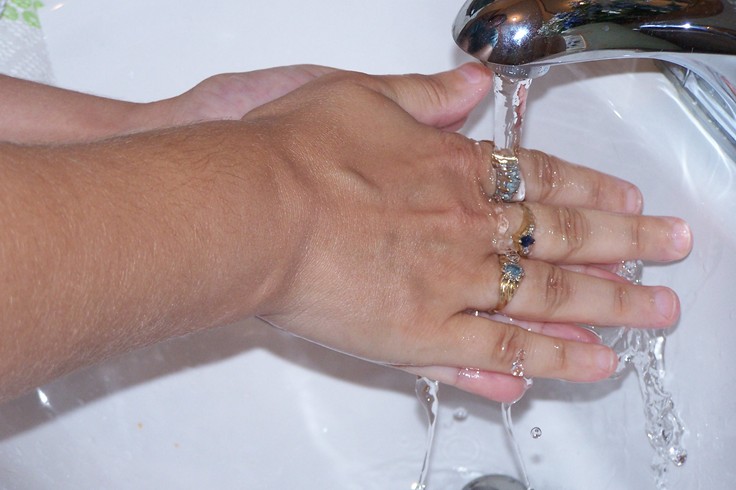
518 455
643 349
426 391
509 106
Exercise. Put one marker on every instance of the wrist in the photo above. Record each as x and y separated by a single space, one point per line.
247 208
281 220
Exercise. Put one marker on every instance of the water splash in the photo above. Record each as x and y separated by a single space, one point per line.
643 349
426 390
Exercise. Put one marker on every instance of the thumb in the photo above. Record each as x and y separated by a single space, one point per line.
443 100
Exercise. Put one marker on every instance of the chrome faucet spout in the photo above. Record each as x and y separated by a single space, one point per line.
523 38
525 35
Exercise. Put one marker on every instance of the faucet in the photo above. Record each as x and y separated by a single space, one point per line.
697 38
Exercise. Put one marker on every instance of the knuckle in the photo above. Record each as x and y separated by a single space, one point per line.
621 300
434 90
422 87
549 175
573 229
558 360
636 236
557 290
509 341
469 159
597 194
465 154
346 84
500 224
483 168
354 77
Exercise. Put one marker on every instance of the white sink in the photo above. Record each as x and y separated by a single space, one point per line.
248 407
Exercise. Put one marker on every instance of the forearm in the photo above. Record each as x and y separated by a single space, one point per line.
117 244
36 113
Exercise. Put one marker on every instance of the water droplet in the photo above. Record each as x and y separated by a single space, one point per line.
536 432
678 456
517 367
470 373
461 414
43 398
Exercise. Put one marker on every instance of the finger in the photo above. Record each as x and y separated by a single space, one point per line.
266 85
569 235
247 91
553 181
443 100
552 294
498 387
538 291
506 348
565 331
604 271
560 330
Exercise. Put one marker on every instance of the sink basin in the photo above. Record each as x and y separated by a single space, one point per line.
247 406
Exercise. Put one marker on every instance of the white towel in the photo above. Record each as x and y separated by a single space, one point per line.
23 52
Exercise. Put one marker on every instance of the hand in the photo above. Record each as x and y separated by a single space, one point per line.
230 95
36 113
401 241
345 211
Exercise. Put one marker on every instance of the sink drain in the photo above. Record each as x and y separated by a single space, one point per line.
495 482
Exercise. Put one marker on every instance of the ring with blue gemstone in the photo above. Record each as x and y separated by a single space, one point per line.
511 275
524 238
509 181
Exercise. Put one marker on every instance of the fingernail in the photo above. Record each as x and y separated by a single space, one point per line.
665 302
681 237
634 200
606 360
472 72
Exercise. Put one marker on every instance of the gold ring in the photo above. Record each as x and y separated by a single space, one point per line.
509 181
524 238
511 275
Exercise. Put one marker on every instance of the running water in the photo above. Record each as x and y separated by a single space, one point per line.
509 107
509 103
509 425
643 349
426 390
